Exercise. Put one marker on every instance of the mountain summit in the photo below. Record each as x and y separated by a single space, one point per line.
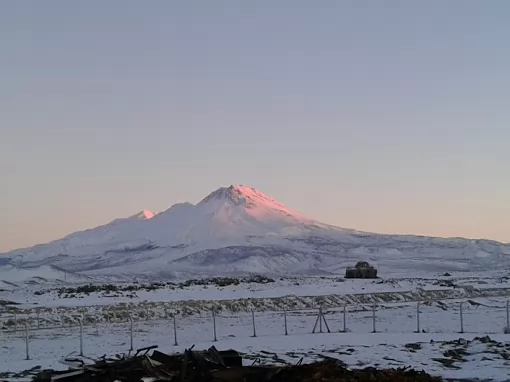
252 204
243 195
143 215
239 230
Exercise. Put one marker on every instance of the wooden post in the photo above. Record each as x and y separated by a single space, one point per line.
461 318
316 323
373 318
325 322
345 318
214 325
418 317
175 331
131 347
285 321
81 337
507 318
253 322
27 340
320 319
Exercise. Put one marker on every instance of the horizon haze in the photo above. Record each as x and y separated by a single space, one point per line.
242 196
383 117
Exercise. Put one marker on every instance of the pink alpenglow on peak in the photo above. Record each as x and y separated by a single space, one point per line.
144 215
255 203
240 230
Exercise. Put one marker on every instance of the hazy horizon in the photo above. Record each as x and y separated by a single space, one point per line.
236 184
384 117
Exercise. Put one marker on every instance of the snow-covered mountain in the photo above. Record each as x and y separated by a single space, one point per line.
239 230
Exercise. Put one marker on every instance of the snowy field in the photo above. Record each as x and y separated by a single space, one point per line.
30 296
395 343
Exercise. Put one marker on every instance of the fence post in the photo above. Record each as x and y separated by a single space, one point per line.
418 317
175 331
27 339
316 323
214 325
38 320
345 318
147 314
325 322
285 321
507 317
131 348
461 318
62 320
81 336
320 319
253 322
373 318
15 322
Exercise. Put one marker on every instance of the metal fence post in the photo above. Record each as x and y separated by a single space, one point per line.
131 348
345 318
214 325
15 322
62 320
38 320
27 340
325 322
315 325
461 318
147 314
81 336
418 317
373 318
285 321
175 331
507 318
253 322
320 319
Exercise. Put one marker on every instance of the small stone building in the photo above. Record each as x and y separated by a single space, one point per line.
362 270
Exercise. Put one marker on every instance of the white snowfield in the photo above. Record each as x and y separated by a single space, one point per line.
433 343
54 333
236 231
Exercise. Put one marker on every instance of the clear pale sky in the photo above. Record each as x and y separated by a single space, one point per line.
386 116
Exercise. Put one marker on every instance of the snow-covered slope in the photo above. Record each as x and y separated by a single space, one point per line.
239 230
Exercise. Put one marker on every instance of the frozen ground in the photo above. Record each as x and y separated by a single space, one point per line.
44 309
396 341
29 295
394 344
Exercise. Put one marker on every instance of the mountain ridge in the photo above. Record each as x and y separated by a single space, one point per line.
238 229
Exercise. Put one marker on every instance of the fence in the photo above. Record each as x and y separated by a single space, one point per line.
80 334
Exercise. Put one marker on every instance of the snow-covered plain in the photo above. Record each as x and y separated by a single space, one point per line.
107 327
395 343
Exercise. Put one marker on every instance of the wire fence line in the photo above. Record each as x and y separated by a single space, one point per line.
34 322
459 317
193 306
